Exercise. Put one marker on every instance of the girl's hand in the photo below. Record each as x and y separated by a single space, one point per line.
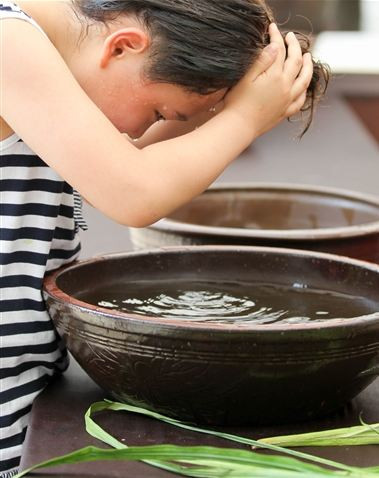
272 90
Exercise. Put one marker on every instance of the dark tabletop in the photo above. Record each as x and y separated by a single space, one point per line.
342 151
57 427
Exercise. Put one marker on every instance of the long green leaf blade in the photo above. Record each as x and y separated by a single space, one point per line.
367 434
219 461
96 431
117 406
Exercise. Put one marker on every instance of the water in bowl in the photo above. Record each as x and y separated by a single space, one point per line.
237 302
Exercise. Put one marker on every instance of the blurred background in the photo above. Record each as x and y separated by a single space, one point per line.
341 147
323 15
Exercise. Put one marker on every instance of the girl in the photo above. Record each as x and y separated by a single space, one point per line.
74 77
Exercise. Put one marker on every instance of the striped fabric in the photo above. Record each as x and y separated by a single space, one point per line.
80 222
38 233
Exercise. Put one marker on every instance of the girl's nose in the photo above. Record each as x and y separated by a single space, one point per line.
140 131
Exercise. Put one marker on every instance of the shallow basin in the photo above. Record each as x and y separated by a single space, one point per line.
280 215
219 372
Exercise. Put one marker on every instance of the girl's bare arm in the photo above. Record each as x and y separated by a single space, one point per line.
44 104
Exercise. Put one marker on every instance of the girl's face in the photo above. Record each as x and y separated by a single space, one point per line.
133 105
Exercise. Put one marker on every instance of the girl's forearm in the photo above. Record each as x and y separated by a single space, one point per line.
177 170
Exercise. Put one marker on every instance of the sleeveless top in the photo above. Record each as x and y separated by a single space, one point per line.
39 220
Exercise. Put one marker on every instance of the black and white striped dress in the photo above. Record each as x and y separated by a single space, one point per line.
38 233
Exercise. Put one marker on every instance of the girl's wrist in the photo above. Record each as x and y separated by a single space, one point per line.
238 127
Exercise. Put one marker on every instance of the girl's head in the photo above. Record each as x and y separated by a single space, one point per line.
201 46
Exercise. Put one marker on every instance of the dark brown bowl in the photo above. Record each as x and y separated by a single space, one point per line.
221 373
275 215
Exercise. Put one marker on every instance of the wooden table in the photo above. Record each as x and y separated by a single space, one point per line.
57 427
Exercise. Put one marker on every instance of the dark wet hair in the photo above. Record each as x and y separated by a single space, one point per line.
202 45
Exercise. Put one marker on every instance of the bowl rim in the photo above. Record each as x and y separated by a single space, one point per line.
191 229
51 289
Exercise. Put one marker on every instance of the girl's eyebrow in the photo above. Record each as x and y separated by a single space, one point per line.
180 116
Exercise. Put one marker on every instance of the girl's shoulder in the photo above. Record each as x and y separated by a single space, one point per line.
11 10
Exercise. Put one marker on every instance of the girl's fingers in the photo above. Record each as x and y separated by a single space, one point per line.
264 61
300 86
277 38
302 81
296 105
294 61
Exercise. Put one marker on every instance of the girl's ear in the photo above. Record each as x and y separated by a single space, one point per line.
123 42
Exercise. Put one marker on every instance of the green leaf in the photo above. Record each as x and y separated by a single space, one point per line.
367 434
94 430
204 461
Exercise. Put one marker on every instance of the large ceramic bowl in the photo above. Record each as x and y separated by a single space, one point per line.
280 215
221 373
